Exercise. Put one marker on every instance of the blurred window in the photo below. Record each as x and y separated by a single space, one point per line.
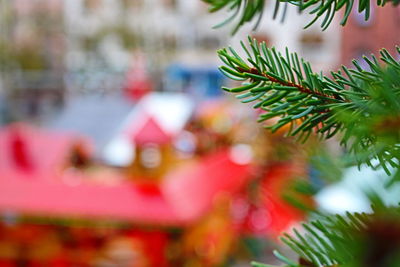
172 4
170 41
360 17
127 4
210 42
150 156
90 5
311 45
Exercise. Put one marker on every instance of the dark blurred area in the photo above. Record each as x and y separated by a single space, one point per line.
118 147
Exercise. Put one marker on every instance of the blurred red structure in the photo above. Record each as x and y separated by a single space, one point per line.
382 22
183 196
277 183
19 155
269 214
55 186
150 132
41 152
51 175
138 83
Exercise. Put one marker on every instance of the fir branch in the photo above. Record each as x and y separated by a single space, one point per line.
247 10
355 102
287 83
336 240
285 87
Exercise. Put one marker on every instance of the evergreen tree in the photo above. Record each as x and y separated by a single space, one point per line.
359 106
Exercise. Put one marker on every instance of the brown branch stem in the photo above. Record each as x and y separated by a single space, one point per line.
301 88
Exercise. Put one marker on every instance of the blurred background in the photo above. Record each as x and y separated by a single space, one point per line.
118 147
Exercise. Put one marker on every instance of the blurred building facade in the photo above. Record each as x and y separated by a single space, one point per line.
110 30
318 47
121 36
66 48
32 60
362 37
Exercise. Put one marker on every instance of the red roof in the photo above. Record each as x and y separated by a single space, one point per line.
56 198
150 132
193 188
186 194
31 149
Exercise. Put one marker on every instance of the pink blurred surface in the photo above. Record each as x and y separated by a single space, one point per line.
185 195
